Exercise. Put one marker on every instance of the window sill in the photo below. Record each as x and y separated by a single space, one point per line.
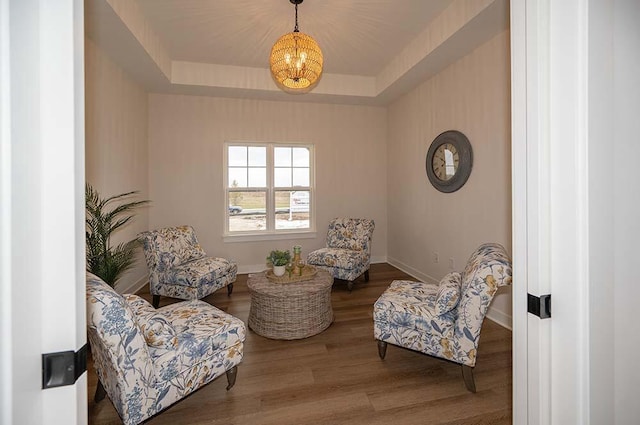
257 237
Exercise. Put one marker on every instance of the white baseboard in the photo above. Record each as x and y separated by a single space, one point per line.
411 271
500 318
251 268
133 287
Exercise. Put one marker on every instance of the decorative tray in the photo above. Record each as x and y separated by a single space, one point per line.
308 272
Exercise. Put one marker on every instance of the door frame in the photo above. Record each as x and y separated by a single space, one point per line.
42 259
550 177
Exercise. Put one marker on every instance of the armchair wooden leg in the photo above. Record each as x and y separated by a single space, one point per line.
350 285
382 349
366 276
231 377
100 393
467 375
229 289
156 301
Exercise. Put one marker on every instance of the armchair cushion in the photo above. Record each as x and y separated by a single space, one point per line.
448 293
202 332
174 246
350 233
337 257
156 329
405 315
413 305
201 271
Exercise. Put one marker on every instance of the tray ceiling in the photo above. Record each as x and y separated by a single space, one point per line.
375 50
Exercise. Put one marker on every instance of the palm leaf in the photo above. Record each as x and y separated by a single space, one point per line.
102 220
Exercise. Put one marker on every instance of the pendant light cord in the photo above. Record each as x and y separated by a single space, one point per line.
296 27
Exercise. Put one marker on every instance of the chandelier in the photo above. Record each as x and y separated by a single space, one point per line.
296 60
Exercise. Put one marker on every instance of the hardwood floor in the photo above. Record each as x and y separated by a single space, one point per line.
336 377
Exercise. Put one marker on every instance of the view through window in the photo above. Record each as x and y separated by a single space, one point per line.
269 187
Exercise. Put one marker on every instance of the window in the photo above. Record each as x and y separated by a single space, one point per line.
268 188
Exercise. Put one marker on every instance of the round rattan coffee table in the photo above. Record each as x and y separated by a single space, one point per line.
290 310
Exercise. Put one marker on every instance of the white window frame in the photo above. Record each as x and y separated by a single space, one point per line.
271 233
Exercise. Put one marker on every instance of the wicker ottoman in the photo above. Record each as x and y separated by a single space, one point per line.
290 310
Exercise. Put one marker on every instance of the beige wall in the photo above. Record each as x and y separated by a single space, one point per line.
472 96
186 140
116 142
370 161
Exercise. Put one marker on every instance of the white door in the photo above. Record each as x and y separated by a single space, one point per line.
550 216
41 206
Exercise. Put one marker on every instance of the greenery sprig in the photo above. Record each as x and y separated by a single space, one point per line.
279 258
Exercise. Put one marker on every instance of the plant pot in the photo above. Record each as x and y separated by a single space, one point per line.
279 270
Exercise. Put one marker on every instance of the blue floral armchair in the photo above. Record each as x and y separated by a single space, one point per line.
348 251
179 267
443 320
147 359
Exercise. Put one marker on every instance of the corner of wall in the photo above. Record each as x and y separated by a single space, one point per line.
133 286
502 319
417 274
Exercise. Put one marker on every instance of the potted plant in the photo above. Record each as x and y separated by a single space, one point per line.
279 260
103 260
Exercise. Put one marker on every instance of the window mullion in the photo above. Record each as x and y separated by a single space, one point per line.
271 202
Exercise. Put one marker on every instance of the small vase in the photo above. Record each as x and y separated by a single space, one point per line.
296 259
279 270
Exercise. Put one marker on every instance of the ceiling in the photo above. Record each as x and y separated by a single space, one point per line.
374 50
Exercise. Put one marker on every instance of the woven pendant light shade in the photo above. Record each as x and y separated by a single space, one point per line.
296 62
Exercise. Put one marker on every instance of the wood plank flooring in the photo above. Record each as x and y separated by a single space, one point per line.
336 377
